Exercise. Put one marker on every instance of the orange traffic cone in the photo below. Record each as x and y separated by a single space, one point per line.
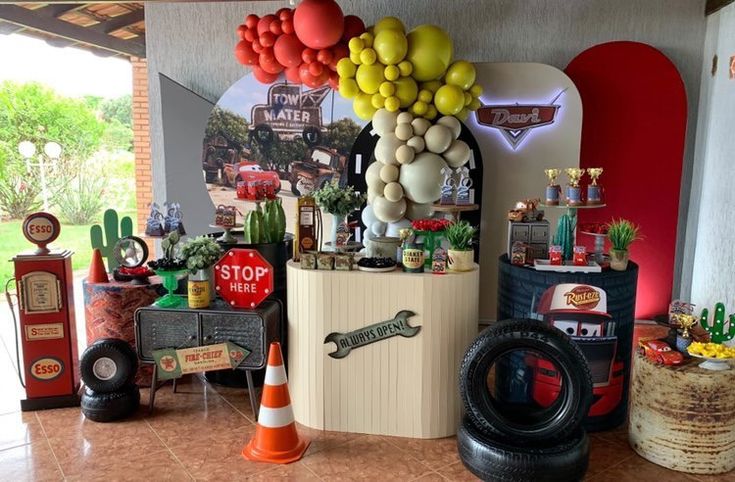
97 272
276 440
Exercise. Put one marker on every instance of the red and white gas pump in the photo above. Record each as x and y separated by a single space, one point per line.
45 325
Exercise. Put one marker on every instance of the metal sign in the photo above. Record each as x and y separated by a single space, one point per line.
370 334
243 278
289 110
172 363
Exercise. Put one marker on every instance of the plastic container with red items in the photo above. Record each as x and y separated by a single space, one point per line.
556 257
580 256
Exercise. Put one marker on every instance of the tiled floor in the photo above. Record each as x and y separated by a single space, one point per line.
199 432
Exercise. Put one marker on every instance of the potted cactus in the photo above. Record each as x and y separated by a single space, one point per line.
621 234
200 254
265 225
461 254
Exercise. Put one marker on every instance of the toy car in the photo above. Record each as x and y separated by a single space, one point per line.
659 352
250 171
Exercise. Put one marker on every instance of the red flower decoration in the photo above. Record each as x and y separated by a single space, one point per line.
434 225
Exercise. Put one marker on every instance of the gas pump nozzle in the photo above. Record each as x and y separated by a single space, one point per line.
9 297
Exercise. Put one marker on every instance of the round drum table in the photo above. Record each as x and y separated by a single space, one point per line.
389 379
683 418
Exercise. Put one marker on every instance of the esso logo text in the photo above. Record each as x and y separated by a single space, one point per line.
40 229
46 368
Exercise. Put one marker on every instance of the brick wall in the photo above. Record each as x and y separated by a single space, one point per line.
141 141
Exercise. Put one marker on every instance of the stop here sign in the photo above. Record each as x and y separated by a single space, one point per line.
243 278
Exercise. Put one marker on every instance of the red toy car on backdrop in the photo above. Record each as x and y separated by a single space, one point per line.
248 171
659 352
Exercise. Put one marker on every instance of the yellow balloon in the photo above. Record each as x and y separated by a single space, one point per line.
367 39
406 68
462 74
406 91
425 95
476 90
369 78
420 108
463 114
430 51
355 58
475 104
387 89
431 86
391 46
345 68
431 113
368 56
467 98
363 106
392 104
356 45
377 101
388 23
348 88
449 99
392 72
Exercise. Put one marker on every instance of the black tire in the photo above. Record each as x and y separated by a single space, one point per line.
311 136
108 364
108 407
492 461
555 423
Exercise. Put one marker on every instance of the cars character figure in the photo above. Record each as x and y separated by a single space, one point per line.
580 311
659 352
248 171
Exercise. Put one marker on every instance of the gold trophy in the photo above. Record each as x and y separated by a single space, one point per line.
594 192
574 192
553 189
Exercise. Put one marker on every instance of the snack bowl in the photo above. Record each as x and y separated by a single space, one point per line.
712 363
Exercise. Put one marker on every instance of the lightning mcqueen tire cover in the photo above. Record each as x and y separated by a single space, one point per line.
555 423
108 364
492 461
108 407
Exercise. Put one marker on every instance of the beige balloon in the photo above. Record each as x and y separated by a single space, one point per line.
404 118
420 126
418 211
372 176
393 192
405 154
458 154
418 144
371 195
422 179
438 138
452 123
385 148
404 131
389 173
384 121
388 211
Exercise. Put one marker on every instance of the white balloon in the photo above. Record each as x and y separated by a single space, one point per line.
372 194
404 131
405 154
368 216
418 144
367 237
458 154
384 121
388 211
419 211
372 173
393 192
422 179
438 138
385 148
404 118
394 229
388 173
378 228
452 123
420 126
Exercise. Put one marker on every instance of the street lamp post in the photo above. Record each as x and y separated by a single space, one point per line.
52 150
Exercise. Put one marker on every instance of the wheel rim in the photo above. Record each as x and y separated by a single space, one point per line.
104 368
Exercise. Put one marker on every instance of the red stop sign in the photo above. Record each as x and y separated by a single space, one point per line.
243 278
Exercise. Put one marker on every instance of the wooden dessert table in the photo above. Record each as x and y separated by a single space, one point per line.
683 418
400 386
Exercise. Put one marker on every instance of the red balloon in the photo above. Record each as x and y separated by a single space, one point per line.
251 21
354 27
292 74
334 80
287 26
275 27
324 56
269 64
265 23
288 49
308 55
245 54
339 52
267 52
284 13
251 35
319 24
316 69
257 47
267 39
241 29
263 76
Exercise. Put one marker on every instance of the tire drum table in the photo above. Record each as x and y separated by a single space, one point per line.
683 417
502 442
519 291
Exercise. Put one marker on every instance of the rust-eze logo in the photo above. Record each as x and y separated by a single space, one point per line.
582 297
516 121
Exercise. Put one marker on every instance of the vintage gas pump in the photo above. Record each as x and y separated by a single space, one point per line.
45 325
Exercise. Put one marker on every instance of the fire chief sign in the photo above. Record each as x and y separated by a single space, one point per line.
243 278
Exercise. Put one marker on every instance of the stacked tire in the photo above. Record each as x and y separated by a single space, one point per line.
108 367
543 445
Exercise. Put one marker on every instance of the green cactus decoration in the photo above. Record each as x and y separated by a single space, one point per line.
111 234
717 328
564 236
265 225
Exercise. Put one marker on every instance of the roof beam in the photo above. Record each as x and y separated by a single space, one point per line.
715 5
26 18
121 21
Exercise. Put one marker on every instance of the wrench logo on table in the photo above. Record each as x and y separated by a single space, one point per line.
370 334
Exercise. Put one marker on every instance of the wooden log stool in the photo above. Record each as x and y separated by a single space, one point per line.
683 418
109 312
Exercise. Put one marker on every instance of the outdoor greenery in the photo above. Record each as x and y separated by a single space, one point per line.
338 201
622 233
459 235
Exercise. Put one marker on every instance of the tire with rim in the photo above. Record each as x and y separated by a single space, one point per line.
554 423
108 407
108 365
492 461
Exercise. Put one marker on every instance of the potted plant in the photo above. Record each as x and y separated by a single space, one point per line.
169 267
200 254
339 202
461 254
621 234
